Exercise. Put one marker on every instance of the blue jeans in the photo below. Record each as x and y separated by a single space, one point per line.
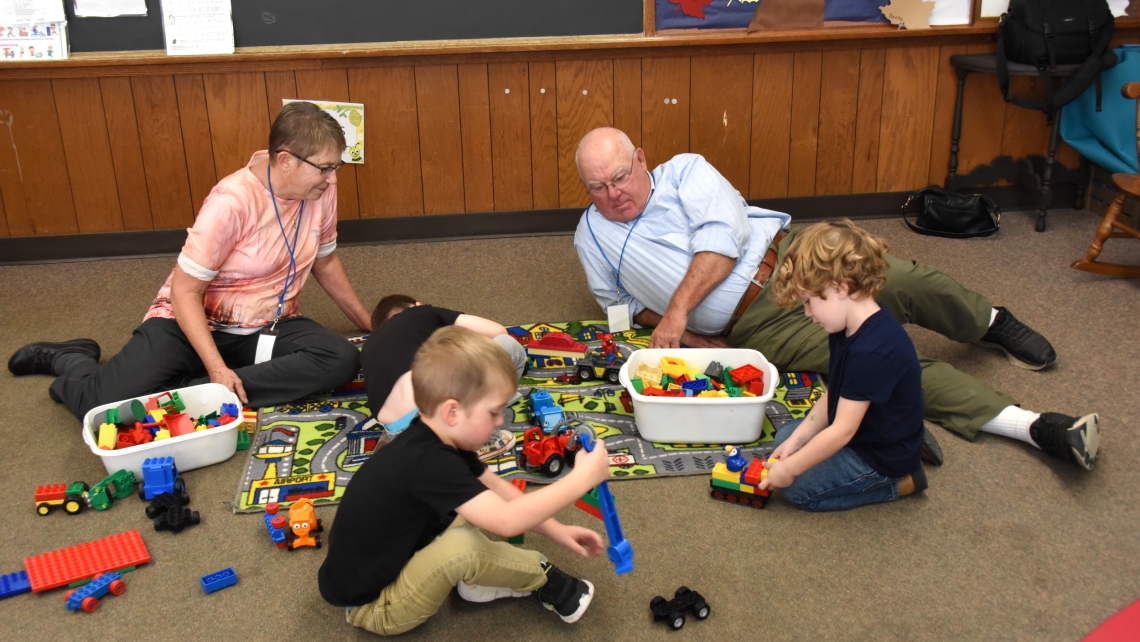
840 482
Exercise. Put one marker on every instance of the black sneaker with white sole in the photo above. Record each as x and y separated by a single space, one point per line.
1068 437
1022 345
567 596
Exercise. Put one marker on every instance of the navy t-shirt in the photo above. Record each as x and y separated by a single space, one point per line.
389 351
397 503
878 363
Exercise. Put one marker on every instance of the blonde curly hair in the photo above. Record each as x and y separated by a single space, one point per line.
829 254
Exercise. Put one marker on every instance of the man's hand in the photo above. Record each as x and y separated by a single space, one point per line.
669 331
230 380
779 475
582 541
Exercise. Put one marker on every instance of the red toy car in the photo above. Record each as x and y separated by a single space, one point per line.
549 454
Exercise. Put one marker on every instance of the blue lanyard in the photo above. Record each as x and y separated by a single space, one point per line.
291 272
621 257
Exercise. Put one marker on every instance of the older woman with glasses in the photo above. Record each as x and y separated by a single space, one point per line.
229 313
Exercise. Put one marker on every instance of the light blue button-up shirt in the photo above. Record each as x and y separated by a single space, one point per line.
691 209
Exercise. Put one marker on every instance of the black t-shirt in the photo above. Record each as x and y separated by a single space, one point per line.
397 503
389 351
878 363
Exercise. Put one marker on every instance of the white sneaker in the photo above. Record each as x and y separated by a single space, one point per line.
474 593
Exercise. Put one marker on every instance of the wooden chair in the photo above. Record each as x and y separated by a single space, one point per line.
1110 227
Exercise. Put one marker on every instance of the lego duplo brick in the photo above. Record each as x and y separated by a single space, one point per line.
218 581
14 584
62 567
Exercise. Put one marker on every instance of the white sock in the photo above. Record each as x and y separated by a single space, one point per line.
1012 422
993 316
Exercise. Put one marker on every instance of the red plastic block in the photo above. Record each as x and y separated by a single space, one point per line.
593 510
67 565
50 491
519 484
745 373
673 393
179 424
751 475
756 386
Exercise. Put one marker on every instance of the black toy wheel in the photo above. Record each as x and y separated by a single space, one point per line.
179 485
585 374
74 504
142 492
681 591
152 511
612 377
43 508
676 621
553 466
571 455
320 526
701 610
655 601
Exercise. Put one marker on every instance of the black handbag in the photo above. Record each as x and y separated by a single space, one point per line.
955 216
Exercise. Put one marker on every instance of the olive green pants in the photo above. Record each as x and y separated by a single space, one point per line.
462 552
914 293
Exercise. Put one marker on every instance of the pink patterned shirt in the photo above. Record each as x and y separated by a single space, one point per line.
236 245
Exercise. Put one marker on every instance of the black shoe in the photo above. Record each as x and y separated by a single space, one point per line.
919 478
1022 345
931 451
567 596
37 358
1067 437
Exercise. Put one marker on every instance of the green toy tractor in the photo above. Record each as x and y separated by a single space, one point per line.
117 485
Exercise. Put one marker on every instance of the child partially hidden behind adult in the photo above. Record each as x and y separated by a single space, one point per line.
862 441
408 527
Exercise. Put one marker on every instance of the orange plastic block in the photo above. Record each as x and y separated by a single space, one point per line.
67 565
179 424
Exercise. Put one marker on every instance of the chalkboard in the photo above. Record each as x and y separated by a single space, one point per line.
316 22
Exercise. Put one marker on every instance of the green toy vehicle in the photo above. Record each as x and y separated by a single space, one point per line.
117 485
69 496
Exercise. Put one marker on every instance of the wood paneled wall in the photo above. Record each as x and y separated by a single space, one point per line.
142 152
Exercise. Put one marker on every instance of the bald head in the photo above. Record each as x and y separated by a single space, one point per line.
613 172
602 144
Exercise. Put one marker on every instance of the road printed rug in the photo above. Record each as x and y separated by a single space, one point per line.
311 448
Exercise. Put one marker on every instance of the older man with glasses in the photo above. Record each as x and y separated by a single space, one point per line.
678 250
228 312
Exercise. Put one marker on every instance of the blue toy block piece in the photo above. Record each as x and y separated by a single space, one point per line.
218 581
276 534
159 476
213 423
620 552
14 584
230 409
97 588
696 385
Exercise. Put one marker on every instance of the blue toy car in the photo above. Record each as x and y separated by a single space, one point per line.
160 475
86 598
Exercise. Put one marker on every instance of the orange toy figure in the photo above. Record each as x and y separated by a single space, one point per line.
303 521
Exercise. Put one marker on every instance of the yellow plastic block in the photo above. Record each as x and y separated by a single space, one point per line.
200 427
721 472
162 434
108 435
157 415
745 393
713 393
674 386
649 375
674 367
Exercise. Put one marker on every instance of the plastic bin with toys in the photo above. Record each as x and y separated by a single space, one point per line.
196 425
705 410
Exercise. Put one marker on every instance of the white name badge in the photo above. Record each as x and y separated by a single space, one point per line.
618 316
265 342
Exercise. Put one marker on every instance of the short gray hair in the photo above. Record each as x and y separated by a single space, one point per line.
612 133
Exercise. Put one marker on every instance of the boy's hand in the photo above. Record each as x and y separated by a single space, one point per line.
786 449
595 464
779 475
582 541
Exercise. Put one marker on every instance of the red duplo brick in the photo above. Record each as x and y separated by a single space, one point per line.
745 373
752 473
67 565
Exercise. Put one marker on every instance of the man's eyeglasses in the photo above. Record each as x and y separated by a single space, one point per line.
619 183
325 171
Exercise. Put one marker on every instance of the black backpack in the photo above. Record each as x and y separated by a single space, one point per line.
1047 33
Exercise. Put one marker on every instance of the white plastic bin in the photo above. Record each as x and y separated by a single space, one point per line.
700 420
196 450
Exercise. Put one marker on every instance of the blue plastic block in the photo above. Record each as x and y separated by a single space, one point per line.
218 581
276 534
620 552
14 584
696 384
159 474
231 409
97 588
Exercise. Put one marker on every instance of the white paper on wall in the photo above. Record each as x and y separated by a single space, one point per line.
109 8
994 8
26 12
952 12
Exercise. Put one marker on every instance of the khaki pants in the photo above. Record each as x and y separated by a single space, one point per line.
462 552
914 293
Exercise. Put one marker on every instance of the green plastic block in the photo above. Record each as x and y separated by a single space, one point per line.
665 381
243 440
638 385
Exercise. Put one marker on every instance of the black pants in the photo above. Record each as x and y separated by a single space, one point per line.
307 358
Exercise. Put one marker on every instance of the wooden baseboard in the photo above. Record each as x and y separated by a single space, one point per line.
451 227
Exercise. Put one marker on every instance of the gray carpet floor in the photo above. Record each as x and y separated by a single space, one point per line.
1007 544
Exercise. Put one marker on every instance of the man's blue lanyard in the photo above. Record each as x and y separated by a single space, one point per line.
291 272
621 257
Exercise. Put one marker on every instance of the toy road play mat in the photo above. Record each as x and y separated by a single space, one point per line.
311 448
